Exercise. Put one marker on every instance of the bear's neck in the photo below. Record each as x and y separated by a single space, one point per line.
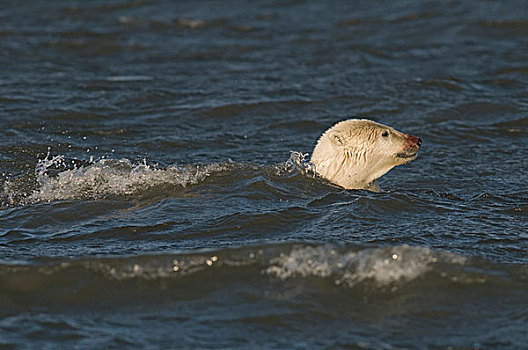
351 170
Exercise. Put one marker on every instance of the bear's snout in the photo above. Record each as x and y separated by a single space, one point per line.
412 141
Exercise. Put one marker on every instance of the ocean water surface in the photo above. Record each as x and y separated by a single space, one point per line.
156 189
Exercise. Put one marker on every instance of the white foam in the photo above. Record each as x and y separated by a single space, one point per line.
297 163
109 177
383 266
57 178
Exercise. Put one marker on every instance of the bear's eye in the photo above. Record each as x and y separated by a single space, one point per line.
385 133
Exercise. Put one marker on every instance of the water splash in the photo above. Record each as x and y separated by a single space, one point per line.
297 163
109 177
57 177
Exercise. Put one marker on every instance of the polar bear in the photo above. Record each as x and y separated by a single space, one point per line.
355 152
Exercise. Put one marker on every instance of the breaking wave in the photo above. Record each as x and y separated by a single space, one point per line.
57 178
108 177
380 265
383 268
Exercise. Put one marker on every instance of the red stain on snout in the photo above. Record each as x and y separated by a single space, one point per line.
412 141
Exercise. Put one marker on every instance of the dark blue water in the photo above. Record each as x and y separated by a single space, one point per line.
156 190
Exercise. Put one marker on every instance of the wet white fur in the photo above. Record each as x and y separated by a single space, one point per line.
353 153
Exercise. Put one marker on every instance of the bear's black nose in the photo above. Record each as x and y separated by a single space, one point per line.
419 143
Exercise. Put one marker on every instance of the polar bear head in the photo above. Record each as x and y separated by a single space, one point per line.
354 153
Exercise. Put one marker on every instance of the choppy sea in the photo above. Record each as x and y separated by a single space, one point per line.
156 190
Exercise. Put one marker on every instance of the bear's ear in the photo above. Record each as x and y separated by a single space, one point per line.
337 138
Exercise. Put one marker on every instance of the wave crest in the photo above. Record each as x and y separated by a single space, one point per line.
365 270
383 266
56 178
109 177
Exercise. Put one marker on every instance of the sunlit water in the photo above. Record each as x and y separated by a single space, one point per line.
156 187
